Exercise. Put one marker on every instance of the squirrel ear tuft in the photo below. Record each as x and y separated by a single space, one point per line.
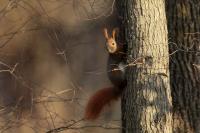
105 31
114 32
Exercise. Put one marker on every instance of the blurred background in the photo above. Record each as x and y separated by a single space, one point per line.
52 59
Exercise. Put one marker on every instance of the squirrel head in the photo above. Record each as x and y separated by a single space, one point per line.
111 44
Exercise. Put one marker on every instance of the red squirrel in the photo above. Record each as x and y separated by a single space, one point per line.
116 74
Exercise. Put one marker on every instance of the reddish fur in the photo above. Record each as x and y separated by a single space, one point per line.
98 101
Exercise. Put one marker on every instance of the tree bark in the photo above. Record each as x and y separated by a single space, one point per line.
184 27
146 102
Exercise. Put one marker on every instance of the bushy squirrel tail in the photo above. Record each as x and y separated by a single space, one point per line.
99 100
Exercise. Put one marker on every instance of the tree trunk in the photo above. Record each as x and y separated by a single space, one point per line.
146 102
184 26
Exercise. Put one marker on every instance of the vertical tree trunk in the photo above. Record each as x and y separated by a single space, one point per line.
184 27
146 103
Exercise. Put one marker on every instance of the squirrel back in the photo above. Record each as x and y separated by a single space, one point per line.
116 74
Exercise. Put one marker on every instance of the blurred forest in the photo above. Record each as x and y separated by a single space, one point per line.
52 58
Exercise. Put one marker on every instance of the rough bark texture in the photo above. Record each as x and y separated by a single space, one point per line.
146 103
184 27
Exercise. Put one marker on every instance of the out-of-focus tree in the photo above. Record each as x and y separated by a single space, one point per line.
184 42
